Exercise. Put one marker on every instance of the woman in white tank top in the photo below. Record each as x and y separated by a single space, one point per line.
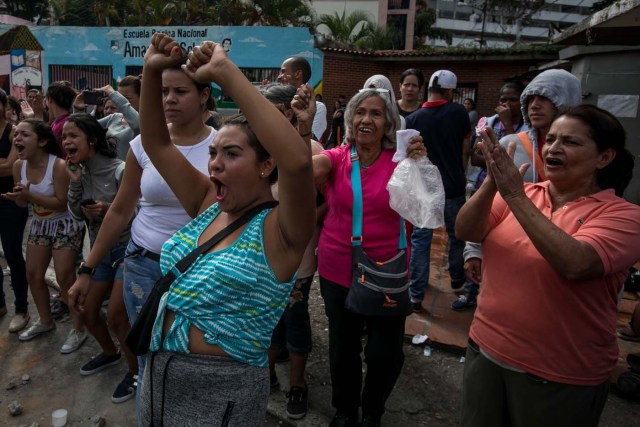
42 181
159 214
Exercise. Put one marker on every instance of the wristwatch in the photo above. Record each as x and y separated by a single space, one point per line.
86 270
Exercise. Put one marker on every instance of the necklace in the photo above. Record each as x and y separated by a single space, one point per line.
199 139
367 165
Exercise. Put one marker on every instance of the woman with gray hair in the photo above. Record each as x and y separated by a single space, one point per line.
378 81
371 121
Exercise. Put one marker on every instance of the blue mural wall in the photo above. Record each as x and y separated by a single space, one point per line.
248 47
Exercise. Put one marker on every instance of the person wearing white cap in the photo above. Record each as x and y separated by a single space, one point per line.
445 129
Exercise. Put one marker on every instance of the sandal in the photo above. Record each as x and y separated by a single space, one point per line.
627 334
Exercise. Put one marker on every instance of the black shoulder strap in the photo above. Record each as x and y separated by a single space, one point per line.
185 262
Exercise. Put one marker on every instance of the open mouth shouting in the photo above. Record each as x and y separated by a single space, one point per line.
221 189
20 149
552 163
72 152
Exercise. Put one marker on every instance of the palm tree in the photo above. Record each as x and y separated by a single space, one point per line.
378 38
282 13
347 29
58 11
277 13
230 13
104 10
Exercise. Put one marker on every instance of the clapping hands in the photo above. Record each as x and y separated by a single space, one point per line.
501 169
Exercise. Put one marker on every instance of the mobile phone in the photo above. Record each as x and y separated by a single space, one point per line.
87 202
93 97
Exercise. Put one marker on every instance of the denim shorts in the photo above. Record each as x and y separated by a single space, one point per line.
294 327
140 274
111 266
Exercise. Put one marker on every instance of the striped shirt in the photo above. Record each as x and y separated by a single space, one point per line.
232 294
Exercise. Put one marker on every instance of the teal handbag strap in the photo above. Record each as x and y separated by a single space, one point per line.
356 215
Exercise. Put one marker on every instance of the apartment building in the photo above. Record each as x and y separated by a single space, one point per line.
476 23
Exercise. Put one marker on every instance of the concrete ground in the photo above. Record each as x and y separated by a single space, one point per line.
427 392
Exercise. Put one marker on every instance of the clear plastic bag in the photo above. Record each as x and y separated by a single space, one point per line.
416 193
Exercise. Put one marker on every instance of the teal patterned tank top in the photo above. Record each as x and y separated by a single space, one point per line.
232 294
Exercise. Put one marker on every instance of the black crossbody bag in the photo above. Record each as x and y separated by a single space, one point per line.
377 288
139 337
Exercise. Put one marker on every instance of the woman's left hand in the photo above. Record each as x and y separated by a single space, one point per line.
505 174
163 52
95 212
416 148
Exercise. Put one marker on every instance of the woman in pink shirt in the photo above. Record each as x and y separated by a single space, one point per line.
542 343
371 122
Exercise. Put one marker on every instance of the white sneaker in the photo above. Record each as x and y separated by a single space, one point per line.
36 329
74 341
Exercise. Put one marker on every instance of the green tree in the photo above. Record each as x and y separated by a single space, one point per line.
79 13
423 28
377 37
58 11
347 30
27 9
277 13
104 11
229 12
282 13
508 12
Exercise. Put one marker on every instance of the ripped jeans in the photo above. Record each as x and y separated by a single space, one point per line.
140 274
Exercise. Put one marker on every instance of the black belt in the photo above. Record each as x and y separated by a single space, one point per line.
145 253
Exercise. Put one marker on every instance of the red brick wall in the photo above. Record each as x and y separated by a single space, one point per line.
344 75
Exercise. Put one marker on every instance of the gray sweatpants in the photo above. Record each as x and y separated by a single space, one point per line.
196 390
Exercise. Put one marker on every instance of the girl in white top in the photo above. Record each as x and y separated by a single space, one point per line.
43 181
160 214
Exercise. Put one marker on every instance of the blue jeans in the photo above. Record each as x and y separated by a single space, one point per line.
140 274
12 222
421 251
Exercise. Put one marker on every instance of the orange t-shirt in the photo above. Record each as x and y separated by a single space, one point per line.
533 319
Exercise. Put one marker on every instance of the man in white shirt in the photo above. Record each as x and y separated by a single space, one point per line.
297 71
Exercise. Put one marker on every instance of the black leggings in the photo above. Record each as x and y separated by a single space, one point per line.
383 354
12 222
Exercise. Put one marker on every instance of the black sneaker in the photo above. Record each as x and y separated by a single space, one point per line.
126 389
99 363
343 420
273 379
297 402
369 421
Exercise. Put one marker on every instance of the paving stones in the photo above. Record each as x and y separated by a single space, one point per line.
98 421
15 382
15 408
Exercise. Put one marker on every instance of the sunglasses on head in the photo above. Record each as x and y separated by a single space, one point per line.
383 92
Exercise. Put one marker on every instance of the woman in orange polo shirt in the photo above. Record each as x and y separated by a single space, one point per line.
542 343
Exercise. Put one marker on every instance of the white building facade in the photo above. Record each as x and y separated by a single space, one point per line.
474 24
